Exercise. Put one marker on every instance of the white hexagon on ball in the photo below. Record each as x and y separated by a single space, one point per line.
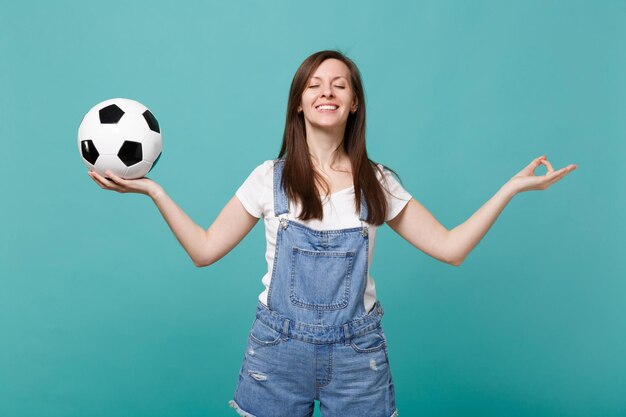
120 135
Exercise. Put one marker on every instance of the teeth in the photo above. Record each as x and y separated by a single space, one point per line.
327 107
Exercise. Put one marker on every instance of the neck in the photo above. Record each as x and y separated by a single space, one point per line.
326 146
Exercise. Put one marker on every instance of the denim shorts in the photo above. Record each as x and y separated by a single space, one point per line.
286 367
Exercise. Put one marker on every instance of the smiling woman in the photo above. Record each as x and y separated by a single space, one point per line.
317 334
324 140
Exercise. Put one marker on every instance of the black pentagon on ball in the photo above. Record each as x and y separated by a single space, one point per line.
89 151
130 153
152 121
110 114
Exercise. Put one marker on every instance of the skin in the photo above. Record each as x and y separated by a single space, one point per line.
324 131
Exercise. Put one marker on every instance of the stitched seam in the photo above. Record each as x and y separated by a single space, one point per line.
369 322
264 342
330 369
330 232
376 348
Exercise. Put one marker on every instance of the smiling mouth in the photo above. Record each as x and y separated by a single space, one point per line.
327 107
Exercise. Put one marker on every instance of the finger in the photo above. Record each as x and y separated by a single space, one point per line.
121 184
535 162
548 165
557 175
530 168
567 169
114 178
96 175
107 184
97 180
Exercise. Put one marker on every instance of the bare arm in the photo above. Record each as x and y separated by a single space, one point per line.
206 246
203 246
420 228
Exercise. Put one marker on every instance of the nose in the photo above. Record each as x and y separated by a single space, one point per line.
327 91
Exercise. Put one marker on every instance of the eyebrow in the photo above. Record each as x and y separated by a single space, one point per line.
333 79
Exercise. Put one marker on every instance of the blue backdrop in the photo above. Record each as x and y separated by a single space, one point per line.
103 314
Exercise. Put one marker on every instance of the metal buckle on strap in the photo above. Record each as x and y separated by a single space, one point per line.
286 329
346 333
364 229
283 223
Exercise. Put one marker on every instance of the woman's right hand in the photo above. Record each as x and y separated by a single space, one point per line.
114 183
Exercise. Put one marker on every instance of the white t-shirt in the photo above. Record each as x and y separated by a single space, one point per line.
256 195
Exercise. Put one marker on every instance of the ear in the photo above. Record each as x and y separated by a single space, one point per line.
355 105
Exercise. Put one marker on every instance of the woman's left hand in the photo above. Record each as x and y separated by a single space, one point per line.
526 180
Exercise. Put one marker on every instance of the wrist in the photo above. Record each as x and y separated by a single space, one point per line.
509 190
156 192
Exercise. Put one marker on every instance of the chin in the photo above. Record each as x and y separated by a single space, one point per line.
329 124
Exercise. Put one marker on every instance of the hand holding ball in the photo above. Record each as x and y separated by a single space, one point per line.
122 136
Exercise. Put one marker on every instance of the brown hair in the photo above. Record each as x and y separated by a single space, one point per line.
299 176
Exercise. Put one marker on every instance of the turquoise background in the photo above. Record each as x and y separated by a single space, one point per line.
103 314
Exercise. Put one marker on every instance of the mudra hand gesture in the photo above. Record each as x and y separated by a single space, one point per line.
526 180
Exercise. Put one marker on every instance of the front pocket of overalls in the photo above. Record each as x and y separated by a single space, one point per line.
369 342
320 280
263 335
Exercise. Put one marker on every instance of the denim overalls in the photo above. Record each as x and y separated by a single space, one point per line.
315 340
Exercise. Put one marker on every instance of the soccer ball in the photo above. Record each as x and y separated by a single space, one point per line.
120 135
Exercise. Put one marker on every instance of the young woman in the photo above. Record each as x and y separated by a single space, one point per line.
317 333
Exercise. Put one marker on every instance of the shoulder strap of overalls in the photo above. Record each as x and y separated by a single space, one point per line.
281 204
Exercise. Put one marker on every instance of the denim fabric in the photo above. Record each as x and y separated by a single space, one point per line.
315 340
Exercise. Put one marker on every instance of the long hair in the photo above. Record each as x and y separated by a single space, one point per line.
299 175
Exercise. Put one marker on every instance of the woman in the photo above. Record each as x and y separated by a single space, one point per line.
317 333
